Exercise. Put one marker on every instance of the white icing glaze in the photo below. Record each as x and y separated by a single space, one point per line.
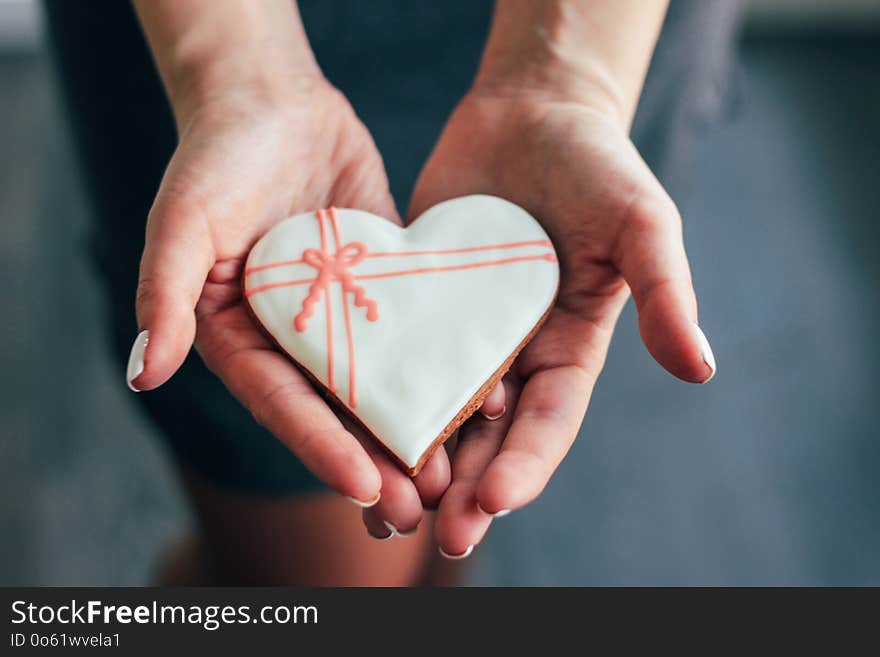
439 336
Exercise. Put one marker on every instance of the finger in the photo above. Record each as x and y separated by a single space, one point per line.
451 443
433 479
375 525
284 402
548 414
493 406
399 509
460 523
400 506
652 259
177 256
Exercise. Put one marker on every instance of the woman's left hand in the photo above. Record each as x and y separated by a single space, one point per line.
616 231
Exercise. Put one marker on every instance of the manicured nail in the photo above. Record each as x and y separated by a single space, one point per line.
136 359
706 351
463 555
397 532
366 505
492 418
498 514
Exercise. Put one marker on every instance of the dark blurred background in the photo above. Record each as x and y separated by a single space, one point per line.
769 475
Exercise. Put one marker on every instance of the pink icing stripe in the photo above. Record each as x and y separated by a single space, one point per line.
270 286
388 254
272 265
334 222
467 249
352 385
331 376
359 299
322 215
548 257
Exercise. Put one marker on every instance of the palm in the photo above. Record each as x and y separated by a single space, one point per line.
580 176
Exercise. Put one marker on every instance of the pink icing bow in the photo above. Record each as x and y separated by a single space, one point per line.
335 267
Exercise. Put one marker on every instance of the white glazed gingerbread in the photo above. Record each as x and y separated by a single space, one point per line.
407 328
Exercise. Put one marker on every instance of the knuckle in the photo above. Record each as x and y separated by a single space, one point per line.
549 418
650 212
161 295
273 412
181 219
146 293
531 467
265 408
173 206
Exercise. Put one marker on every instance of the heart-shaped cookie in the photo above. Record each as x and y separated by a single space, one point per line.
407 328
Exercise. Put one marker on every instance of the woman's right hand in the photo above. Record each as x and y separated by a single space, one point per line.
247 158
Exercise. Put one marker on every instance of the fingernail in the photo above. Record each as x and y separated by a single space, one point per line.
380 538
454 557
706 351
492 418
498 514
136 359
366 505
397 532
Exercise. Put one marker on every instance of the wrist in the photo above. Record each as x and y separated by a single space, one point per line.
530 77
263 77
590 52
207 51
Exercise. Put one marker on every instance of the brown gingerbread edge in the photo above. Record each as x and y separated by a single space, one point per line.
460 418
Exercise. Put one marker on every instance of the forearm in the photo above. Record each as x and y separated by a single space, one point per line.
592 50
205 48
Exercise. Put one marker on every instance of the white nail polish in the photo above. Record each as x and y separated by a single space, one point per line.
492 418
454 557
136 359
366 505
706 351
498 514
397 532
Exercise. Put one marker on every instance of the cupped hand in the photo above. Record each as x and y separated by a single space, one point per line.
246 160
616 232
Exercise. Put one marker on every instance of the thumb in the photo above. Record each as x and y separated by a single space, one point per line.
178 254
651 256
